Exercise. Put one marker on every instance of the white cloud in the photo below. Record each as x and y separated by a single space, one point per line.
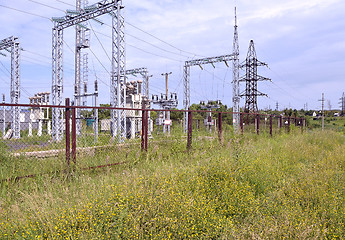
303 41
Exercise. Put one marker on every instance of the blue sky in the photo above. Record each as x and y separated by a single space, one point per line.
303 43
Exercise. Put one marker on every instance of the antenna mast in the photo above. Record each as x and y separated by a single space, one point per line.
235 82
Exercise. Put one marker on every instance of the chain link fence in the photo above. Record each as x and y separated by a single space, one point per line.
49 139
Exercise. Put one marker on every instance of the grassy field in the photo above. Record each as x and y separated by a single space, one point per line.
248 187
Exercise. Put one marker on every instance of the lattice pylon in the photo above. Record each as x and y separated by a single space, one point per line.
118 74
236 78
251 78
57 83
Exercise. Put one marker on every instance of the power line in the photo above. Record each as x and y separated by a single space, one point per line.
162 49
108 36
5 69
140 49
46 5
162 40
99 41
157 55
65 3
102 66
169 44
37 54
22 11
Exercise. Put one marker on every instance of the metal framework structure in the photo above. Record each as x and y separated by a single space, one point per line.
82 42
145 75
13 43
186 77
342 104
118 91
118 74
251 78
165 102
235 79
209 106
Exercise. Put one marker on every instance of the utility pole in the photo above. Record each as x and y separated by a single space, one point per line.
277 106
166 115
322 106
3 117
165 102
166 82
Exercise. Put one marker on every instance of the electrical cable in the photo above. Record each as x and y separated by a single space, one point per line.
172 59
22 11
128 34
69 47
5 69
162 40
46 5
66 3
102 66
169 44
99 41
37 54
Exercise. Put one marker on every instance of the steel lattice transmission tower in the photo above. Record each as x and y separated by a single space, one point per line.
118 59
13 44
236 78
342 104
251 78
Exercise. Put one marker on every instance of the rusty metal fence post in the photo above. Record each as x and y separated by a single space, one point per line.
74 137
220 127
258 124
289 120
271 121
241 122
301 124
67 131
144 129
190 129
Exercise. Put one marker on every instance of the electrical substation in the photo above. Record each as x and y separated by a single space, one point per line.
124 93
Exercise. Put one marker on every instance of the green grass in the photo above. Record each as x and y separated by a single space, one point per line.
247 187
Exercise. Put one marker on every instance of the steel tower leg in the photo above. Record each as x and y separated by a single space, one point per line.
77 86
118 78
186 100
15 86
57 81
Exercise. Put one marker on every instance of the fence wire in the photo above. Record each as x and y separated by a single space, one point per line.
50 139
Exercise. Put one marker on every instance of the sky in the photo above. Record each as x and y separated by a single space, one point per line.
303 43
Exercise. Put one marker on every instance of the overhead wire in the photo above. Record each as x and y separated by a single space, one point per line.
129 34
46 5
22 11
162 40
99 41
151 35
